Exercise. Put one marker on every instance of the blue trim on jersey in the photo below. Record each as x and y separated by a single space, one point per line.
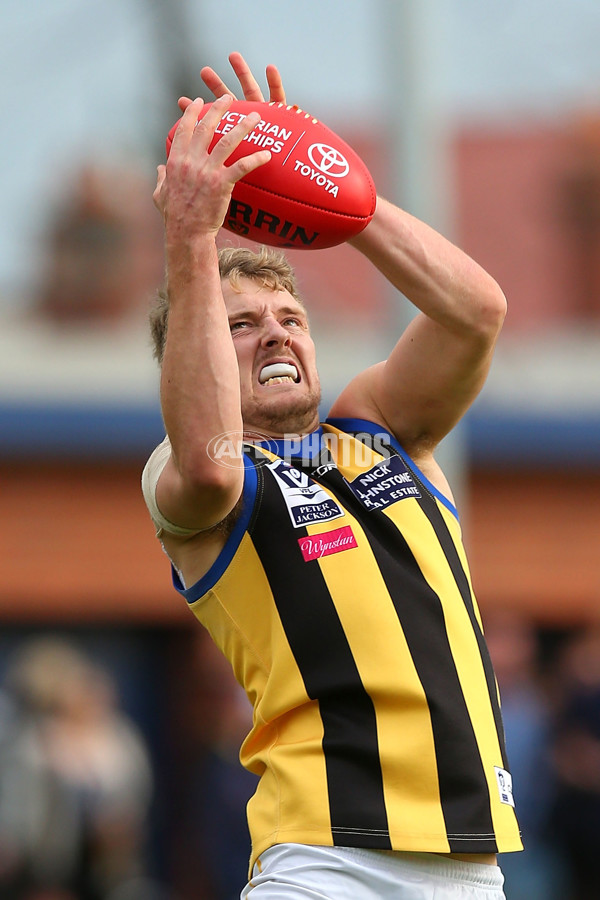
372 428
234 540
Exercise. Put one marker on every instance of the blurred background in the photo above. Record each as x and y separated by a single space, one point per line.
119 725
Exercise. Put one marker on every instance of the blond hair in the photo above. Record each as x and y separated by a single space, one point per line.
266 265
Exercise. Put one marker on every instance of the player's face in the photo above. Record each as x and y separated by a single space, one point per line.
279 382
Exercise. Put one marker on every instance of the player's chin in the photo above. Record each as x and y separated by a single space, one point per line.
288 397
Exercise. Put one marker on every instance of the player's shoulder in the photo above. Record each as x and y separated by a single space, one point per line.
358 400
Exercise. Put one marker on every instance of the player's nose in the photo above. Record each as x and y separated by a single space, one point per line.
273 333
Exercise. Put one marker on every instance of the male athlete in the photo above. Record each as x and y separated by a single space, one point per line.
326 559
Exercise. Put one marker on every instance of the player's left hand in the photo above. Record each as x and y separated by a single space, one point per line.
248 83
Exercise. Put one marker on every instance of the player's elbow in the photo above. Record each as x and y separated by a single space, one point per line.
497 306
490 313
210 477
204 471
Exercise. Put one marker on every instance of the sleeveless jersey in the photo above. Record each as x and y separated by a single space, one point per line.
343 601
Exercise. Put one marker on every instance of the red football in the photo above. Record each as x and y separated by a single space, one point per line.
315 191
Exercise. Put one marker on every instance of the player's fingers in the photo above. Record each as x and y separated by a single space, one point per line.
232 139
247 81
204 130
183 103
185 128
276 91
161 174
248 164
214 82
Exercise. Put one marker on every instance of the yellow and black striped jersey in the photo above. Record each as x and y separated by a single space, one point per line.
343 601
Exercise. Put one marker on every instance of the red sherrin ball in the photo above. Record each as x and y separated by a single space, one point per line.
315 191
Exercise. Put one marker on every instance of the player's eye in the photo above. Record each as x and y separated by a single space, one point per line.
238 326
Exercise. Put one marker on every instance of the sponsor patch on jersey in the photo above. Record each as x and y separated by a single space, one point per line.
306 500
315 546
384 484
504 781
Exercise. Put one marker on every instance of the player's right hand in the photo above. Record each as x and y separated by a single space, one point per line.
248 83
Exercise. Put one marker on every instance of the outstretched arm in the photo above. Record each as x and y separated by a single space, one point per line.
200 392
440 362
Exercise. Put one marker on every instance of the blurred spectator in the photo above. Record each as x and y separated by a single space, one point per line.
581 210
576 812
222 787
75 780
214 718
536 873
103 248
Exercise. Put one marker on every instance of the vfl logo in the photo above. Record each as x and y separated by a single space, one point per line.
328 160
306 501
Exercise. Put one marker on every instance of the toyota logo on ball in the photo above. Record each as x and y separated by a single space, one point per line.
328 160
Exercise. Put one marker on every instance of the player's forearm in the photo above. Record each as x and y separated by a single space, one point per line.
200 393
439 278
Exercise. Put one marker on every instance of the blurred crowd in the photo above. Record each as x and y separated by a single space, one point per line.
75 779
100 250
81 810
550 689
79 777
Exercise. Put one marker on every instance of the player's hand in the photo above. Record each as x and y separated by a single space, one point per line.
248 83
193 190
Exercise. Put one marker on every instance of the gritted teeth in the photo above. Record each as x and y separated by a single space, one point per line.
278 370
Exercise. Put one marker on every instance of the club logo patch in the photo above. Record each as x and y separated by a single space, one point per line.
318 545
306 500
384 484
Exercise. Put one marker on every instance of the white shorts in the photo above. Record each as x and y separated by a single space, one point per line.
302 872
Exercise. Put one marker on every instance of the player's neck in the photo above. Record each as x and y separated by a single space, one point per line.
286 428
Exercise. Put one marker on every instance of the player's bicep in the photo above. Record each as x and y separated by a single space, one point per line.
425 386
430 379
